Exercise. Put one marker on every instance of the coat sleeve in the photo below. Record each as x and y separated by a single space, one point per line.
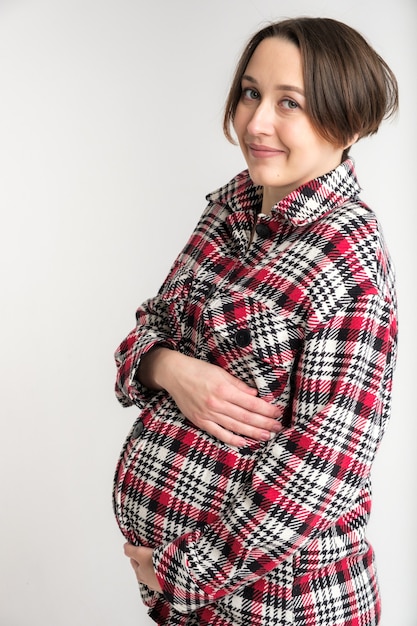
155 320
309 475
155 326
152 330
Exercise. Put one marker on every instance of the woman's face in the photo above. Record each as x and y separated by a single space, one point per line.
278 141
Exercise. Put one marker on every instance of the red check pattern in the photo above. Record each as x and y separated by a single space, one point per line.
304 309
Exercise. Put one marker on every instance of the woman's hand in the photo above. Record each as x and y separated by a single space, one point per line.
141 561
211 398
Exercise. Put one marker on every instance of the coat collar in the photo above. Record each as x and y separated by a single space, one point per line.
306 204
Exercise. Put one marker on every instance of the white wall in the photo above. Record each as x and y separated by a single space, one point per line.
110 136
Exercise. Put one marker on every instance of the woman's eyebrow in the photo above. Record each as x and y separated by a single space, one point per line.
250 79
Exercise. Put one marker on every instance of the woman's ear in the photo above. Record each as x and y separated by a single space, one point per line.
353 140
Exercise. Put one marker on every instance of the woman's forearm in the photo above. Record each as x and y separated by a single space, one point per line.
155 367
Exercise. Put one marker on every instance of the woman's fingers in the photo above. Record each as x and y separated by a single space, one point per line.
141 561
255 428
220 404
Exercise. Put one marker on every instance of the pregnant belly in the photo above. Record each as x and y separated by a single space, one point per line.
171 477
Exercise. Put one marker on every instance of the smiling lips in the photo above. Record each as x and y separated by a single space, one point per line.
263 152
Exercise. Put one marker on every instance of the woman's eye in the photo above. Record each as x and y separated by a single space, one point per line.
250 94
287 103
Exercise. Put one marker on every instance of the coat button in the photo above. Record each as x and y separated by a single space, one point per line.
263 230
211 291
243 338
138 430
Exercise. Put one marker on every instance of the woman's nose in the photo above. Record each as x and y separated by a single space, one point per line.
262 120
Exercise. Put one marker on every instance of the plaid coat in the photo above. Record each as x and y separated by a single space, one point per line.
304 309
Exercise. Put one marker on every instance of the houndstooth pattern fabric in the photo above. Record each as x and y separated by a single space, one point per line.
300 304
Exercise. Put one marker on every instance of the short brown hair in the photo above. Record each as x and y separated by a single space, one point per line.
349 87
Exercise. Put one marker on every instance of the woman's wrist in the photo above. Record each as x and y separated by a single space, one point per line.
154 367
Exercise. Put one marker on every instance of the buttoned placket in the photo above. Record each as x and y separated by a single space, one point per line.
259 235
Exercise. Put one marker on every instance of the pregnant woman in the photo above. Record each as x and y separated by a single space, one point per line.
263 366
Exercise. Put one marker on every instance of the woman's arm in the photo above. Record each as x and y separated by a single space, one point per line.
152 330
148 360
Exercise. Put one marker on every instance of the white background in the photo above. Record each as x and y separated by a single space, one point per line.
110 137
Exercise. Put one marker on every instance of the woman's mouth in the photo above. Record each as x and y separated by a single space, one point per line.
259 151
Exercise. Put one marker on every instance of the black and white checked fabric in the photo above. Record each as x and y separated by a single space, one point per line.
300 304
